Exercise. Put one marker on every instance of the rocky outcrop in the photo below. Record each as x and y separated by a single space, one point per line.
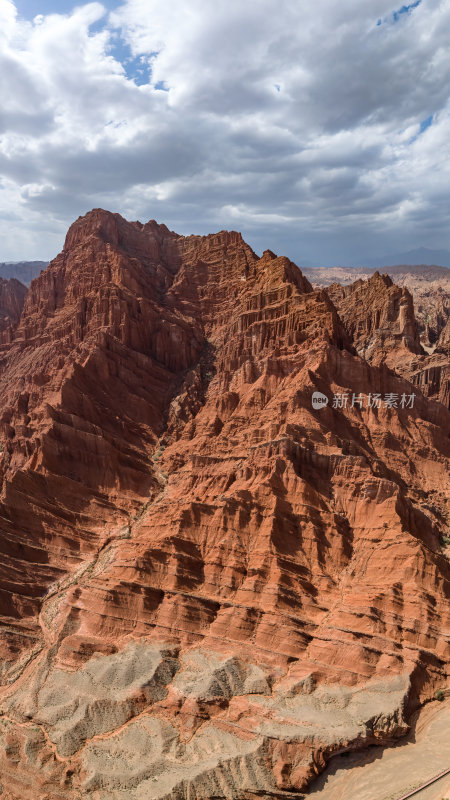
433 373
432 376
12 298
428 285
208 585
379 318
430 288
443 343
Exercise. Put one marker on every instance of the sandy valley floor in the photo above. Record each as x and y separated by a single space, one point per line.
388 773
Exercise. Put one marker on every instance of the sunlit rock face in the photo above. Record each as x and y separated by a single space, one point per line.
379 317
207 585
380 320
429 287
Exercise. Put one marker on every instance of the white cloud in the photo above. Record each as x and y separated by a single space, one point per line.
332 161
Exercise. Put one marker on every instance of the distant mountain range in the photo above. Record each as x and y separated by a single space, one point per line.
421 255
23 271
402 274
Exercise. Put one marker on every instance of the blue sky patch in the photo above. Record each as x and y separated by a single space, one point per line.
406 9
137 68
426 123
397 14
29 9
423 127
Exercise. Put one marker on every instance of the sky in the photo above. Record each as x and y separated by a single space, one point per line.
320 130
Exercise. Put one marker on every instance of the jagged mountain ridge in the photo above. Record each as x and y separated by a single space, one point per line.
170 495
428 285
379 318
323 276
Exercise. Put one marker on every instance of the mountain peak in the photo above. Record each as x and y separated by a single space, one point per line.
190 464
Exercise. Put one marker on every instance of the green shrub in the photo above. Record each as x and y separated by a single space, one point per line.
158 454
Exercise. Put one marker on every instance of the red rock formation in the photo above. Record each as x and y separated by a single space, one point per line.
12 298
428 285
435 371
431 374
208 586
443 343
379 318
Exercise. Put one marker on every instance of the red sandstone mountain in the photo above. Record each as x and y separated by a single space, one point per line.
379 318
208 586
443 343
428 285
12 298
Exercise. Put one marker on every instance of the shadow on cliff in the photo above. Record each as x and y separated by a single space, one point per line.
353 760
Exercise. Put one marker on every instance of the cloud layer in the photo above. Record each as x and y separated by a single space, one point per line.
321 130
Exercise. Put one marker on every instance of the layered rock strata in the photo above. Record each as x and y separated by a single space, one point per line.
208 586
428 285
380 320
379 317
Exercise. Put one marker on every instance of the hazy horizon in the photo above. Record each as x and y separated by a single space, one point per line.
388 261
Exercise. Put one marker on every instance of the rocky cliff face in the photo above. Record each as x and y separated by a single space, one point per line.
208 586
379 317
380 320
12 298
443 343
428 285
430 288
